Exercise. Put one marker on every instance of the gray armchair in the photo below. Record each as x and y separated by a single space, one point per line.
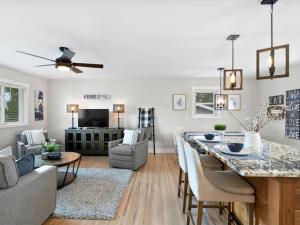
129 156
23 148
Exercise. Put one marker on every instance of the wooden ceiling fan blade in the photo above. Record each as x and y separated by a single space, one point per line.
37 56
88 65
45 65
68 54
74 69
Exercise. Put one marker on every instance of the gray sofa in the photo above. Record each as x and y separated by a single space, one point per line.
23 148
32 200
129 157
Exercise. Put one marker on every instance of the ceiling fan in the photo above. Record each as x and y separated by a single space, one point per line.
64 62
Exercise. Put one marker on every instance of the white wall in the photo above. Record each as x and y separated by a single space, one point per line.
8 135
276 131
136 93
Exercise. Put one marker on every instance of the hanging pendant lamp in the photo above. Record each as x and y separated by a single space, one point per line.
272 62
221 100
233 78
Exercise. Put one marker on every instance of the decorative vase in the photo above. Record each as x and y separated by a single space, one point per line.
252 140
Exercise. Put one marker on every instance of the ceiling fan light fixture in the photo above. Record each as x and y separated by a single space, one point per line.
62 67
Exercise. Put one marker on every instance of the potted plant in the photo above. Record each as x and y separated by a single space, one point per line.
48 148
221 129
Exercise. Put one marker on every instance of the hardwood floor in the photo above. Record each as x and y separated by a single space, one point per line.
151 197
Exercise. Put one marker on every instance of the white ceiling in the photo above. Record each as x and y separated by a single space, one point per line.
181 38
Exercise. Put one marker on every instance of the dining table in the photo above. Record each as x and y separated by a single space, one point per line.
274 172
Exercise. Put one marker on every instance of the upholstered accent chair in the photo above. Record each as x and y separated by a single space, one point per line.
23 146
130 157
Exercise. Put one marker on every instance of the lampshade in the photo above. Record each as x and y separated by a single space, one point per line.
72 108
118 108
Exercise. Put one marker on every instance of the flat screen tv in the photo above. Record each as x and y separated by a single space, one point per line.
93 118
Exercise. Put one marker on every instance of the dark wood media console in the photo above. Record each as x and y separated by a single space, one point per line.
93 141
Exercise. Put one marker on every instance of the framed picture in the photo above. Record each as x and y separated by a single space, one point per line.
204 101
292 119
38 105
179 102
234 102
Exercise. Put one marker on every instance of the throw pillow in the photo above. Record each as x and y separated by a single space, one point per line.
8 172
25 164
35 137
6 151
130 137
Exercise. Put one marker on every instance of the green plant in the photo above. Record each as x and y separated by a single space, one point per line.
220 127
50 147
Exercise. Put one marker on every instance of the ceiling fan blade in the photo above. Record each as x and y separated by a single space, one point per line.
45 65
88 65
68 54
74 69
26 53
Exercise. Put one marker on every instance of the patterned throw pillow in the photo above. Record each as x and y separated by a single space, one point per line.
25 164
130 137
8 172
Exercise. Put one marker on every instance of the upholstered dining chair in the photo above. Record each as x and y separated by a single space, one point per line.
215 186
210 163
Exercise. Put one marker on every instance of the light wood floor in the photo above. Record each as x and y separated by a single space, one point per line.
151 197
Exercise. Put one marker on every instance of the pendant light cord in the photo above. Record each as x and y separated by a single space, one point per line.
220 82
272 26
232 55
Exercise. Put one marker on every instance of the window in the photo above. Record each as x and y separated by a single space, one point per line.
13 103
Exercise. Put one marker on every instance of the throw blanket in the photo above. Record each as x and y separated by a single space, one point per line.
146 117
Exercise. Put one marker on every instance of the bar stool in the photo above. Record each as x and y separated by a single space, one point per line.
210 162
215 186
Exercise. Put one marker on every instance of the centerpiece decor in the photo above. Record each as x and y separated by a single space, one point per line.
221 129
253 124
50 148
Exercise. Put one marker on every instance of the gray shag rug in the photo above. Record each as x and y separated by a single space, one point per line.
94 194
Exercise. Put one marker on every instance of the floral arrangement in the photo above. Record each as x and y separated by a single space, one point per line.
259 120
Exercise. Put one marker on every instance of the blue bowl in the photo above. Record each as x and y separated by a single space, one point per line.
209 136
235 147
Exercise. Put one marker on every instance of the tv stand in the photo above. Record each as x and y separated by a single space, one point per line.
91 141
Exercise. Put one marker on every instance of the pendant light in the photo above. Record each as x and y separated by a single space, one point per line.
221 100
273 72
233 78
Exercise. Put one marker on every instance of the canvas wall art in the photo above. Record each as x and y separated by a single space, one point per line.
179 102
38 105
292 120
203 102
234 102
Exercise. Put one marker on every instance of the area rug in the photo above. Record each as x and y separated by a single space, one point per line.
94 194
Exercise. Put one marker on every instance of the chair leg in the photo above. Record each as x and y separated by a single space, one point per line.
189 206
185 191
250 213
229 216
200 213
221 209
179 181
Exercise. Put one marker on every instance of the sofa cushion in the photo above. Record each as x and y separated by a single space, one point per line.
8 172
25 164
6 151
130 137
122 150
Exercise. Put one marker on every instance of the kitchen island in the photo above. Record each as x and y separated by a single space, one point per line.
275 174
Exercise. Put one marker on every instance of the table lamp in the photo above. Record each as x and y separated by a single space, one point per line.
118 108
72 108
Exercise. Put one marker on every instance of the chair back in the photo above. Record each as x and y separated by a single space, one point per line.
195 172
181 154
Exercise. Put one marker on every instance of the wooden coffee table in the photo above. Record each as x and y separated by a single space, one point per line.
67 159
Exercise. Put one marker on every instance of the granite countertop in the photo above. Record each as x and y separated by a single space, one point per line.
275 160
